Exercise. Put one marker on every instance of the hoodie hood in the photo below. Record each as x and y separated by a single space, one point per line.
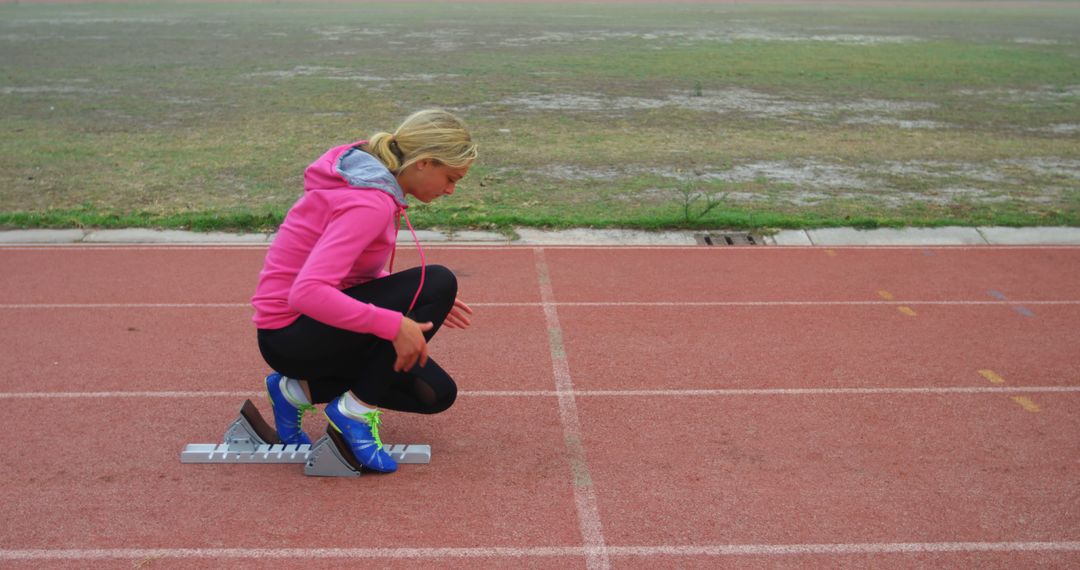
356 168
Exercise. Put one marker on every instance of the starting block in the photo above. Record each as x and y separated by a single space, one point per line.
249 439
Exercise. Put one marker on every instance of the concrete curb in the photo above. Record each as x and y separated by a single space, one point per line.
611 237
889 236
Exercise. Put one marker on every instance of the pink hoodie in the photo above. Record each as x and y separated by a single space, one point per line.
339 234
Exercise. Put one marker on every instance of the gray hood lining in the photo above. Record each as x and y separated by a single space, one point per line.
362 170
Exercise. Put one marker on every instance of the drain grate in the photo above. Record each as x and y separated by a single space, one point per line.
728 238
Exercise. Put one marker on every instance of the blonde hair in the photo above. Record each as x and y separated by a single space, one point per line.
429 134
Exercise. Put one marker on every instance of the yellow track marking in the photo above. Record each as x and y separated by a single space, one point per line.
992 376
886 295
907 311
1026 403
830 253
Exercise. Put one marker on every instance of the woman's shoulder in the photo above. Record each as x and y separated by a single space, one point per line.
358 201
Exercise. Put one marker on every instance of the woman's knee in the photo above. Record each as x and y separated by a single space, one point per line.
446 398
441 280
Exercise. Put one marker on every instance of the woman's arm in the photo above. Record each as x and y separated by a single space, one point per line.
315 291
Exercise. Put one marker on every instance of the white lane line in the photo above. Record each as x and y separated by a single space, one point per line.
134 247
854 548
261 553
825 391
549 551
559 304
584 492
524 246
127 306
597 393
772 303
126 394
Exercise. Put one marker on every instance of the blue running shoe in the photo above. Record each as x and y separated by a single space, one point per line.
363 437
287 416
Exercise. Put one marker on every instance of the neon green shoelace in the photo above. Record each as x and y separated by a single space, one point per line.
300 411
375 422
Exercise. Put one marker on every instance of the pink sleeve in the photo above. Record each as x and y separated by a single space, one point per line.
315 293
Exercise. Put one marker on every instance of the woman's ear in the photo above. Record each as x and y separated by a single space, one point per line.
422 163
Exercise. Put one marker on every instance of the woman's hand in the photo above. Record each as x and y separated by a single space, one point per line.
410 344
457 318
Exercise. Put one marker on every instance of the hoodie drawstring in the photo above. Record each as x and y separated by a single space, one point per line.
423 265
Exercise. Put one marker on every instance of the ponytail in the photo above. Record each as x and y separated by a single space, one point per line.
382 146
430 134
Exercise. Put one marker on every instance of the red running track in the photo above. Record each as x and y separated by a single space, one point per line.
620 407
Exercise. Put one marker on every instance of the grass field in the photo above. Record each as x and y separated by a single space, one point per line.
648 116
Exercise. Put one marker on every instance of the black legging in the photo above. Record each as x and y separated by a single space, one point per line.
334 360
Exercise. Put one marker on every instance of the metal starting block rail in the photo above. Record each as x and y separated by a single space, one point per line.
249 439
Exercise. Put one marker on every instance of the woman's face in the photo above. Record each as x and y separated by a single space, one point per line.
429 179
